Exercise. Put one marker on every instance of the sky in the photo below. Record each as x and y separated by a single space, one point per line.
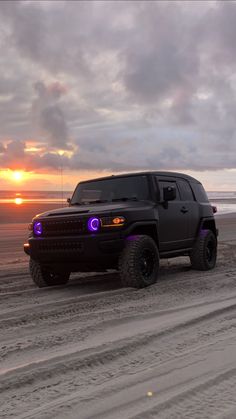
95 88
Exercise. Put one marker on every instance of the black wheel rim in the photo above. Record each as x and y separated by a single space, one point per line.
147 263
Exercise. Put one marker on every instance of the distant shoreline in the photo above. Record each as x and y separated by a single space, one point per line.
24 212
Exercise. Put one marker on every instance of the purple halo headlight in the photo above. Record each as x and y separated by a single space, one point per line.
38 228
93 224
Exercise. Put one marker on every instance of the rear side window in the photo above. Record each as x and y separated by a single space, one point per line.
185 190
165 183
199 192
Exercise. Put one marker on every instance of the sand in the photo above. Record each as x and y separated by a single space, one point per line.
93 349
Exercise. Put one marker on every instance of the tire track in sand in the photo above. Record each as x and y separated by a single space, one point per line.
109 353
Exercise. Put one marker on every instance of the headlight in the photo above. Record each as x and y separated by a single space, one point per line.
93 224
117 221
38 228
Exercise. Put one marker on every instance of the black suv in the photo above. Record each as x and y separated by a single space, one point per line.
124 222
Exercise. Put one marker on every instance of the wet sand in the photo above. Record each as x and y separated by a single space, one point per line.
23 213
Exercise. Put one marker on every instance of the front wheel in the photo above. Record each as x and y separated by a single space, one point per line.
204 252
44 277
139 262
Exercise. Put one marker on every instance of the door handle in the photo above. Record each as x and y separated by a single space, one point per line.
184 210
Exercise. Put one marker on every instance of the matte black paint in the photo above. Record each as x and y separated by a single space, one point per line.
174 225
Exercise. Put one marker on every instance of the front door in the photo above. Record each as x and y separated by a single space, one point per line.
173 220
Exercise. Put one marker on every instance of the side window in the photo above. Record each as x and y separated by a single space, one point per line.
185 190
200 192
165 183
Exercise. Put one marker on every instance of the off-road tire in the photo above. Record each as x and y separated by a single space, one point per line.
44 278
139 262
204 253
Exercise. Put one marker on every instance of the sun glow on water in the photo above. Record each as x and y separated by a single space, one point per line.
18 201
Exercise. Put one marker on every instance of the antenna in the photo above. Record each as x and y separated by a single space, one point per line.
61 152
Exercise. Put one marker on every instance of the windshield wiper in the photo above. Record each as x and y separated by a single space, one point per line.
125 198
102 201
97 201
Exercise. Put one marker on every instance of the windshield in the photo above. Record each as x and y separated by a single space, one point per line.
110 190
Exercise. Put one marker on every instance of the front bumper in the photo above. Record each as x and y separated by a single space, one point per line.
86 248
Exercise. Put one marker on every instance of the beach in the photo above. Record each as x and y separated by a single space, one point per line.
120 117
93 349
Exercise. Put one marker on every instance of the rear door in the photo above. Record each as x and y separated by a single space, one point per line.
173 220
192 209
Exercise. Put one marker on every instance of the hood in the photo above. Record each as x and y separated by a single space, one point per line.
108 208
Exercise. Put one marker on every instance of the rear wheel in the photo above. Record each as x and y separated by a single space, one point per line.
204 253
139 262
44 277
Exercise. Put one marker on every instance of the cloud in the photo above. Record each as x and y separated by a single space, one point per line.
161 58
13 155
122 85
48 114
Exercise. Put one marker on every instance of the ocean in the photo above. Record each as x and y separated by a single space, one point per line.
22 206
224 201
35 196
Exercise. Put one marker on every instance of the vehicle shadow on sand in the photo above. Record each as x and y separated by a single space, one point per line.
109 281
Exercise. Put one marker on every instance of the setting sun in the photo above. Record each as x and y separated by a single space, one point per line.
17 175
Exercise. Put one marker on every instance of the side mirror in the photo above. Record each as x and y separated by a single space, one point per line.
214 209
169 193
69 201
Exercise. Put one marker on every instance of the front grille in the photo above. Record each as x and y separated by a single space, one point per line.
57 246
52 228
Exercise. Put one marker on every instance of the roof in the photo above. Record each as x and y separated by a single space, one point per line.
158 173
